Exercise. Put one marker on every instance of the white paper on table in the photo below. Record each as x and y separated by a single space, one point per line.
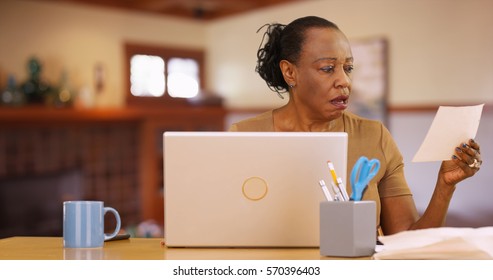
450 127
438 243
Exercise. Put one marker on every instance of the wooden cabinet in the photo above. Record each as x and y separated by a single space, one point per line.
120 151
157 122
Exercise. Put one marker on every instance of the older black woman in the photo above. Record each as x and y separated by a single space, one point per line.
310 59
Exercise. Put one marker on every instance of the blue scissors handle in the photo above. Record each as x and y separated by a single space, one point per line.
363 171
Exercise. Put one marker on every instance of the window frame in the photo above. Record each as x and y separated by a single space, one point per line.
166 53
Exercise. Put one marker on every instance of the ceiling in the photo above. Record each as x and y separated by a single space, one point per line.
191 9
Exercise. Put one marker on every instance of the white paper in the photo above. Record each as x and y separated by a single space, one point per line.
451 127
438 243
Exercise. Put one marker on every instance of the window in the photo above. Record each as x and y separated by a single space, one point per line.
160 75
147 75
183 77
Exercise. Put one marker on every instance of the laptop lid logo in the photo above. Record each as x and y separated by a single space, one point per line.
254 188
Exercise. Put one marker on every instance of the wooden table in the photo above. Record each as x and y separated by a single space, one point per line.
51 248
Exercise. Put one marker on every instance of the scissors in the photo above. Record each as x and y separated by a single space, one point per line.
363 171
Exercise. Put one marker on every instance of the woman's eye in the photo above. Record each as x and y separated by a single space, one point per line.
349 68
328 69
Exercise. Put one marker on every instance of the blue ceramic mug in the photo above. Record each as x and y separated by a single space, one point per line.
83 224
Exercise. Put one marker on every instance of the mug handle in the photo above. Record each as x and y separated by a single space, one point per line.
118 223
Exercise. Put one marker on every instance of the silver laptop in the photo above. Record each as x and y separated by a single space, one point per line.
247 189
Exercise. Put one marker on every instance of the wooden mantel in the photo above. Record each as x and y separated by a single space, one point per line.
39 114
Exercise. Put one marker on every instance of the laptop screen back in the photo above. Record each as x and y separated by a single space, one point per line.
247 189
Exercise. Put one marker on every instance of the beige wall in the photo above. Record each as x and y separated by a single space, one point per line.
75 38
440 50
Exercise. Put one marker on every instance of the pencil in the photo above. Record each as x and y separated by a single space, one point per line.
338 181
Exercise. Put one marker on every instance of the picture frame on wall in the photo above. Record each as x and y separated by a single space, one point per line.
369 95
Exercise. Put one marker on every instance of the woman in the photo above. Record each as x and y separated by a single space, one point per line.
311 59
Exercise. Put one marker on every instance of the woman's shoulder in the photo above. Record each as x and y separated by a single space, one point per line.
260 122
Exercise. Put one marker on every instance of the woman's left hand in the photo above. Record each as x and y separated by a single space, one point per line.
465 163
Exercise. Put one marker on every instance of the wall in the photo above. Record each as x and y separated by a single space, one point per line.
76 38
440 50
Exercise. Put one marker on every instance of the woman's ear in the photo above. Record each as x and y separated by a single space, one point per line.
289 72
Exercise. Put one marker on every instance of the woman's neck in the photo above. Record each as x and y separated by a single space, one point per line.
291 118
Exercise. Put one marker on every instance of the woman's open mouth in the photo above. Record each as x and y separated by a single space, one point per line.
340 102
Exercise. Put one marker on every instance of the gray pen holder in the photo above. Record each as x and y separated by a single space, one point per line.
348 228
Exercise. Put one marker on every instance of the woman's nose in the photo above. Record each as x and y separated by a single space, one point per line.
342 79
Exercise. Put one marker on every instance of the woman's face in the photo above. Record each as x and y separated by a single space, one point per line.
323 74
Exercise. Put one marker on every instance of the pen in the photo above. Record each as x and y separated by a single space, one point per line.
343 188
337 192
325 190
338 181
